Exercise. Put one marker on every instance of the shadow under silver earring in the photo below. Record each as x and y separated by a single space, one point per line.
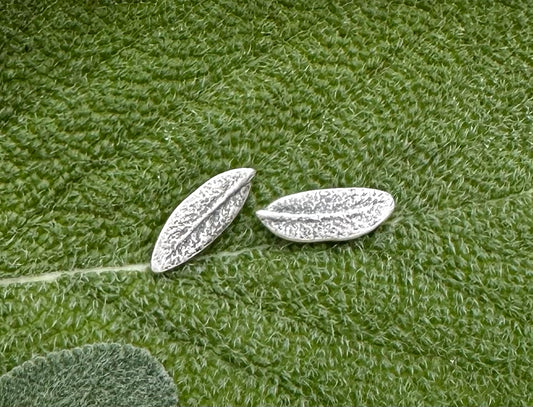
201 218
334 214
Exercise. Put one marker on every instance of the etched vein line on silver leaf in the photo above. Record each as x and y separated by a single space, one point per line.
216 206
200 218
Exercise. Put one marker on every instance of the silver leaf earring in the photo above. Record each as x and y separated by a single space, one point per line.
334 214
201 218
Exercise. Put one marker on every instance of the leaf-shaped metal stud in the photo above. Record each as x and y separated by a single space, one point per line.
201 218
334 214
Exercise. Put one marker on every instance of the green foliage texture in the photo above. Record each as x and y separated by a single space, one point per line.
104 374
112 112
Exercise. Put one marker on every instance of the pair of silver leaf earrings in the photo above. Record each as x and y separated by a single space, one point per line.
334 214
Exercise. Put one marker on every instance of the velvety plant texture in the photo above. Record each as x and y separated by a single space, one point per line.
112 112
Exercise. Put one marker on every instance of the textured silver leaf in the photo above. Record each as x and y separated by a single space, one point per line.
201 218
334 214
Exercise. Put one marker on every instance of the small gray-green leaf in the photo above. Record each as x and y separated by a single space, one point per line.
334 214
201 218
102 374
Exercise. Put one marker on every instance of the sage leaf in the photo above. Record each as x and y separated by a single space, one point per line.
100 374
201 218
334 214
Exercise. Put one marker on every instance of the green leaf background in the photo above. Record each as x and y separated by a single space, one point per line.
112 112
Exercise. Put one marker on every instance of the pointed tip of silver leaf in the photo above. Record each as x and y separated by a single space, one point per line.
262 213
246 173
156 267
